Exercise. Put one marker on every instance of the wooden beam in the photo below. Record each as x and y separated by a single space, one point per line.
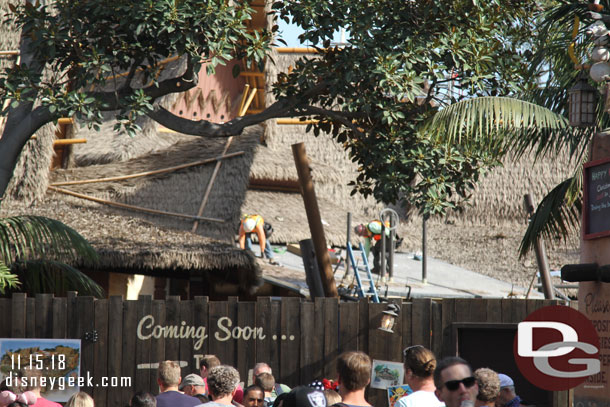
147 173
9 53
252 74
65 120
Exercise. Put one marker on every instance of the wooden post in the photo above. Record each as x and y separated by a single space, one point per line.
424 254
314 219
543 263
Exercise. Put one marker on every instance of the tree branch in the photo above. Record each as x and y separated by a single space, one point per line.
186 81
288 107
342 117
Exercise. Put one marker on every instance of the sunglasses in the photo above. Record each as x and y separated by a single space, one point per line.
406 350
453 385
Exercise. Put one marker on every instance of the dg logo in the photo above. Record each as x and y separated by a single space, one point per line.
556 348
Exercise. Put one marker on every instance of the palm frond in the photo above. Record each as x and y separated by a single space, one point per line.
518 126
557 215
37 237
48 276
8 280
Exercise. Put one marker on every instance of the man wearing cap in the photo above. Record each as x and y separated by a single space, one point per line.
372 232
194 386
168 379
507 396
255 224
301 396
454 382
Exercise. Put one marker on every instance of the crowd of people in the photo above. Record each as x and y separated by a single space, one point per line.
449 382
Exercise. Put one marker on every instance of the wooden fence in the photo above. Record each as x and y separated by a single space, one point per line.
299 339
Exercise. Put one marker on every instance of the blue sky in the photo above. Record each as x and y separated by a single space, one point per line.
290 32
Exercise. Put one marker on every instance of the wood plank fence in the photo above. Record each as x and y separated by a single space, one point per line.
299 339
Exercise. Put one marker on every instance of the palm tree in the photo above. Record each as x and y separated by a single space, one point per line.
535 121
33 255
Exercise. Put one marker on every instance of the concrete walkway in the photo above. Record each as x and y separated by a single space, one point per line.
443 279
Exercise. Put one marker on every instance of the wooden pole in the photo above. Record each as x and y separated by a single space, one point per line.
314 219
208 190
349 242
147 173
543 263
132 207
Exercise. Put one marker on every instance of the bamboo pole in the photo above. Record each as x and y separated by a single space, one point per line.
144 174
243 107
68 141
296 121
132 207
296 50
65 120
9 53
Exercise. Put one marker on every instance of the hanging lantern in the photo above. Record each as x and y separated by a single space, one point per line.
389 317
583 99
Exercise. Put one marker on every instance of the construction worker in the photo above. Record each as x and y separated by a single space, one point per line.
255 224
372 232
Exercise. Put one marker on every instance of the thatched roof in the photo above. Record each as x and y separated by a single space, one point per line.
130 245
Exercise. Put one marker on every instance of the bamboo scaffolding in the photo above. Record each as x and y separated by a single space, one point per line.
147 173
132 207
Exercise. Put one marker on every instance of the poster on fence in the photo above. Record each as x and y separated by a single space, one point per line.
386 374
54 365
395 393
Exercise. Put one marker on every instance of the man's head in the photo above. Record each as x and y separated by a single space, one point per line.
168 374
454 381
143 399
361 230
354 370
192 384
261 367
266 381
222 381
301 396
507 389
489 385
254 396
207 362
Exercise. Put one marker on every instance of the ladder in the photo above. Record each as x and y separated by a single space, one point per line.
372 290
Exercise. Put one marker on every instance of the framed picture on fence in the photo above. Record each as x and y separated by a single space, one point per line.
386 374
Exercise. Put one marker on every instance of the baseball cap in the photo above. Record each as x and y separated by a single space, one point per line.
505 380
191 380
301 396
